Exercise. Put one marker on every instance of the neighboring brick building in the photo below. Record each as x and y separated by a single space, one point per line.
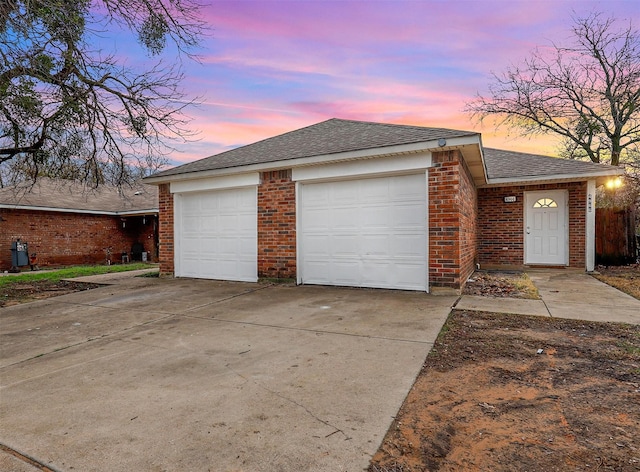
64 223
375 205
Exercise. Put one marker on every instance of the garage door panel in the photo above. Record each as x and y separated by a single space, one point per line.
408 245
374 216
228 224
341 245
317 271
317 197
216 235
407 275
404 216
343 219
208 224
342 193
376 191
375 245
345 272
316 245
367 232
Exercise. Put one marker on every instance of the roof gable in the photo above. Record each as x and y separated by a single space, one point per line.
62 195
328 137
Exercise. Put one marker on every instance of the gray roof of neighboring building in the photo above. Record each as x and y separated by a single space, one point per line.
63 195
501 164
328 137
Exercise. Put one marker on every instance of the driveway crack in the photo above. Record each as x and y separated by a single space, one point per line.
336 430
32 461
230 297
88 340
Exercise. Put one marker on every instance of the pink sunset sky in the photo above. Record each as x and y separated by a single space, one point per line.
269 67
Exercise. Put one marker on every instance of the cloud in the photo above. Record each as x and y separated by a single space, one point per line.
275 66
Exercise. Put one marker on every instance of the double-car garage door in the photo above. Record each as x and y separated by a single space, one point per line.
366 232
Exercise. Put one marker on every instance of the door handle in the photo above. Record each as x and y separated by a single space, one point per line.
528 230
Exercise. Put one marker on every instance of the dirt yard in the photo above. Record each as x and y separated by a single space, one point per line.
519 393
625 278
24 292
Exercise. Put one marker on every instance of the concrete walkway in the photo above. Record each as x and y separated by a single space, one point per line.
564 294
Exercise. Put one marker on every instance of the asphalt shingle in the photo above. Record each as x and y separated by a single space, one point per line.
501 164
68 195
328 137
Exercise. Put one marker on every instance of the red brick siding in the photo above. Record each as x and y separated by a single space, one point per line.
276 225
501 225
60 238
452 221
165 230
468 207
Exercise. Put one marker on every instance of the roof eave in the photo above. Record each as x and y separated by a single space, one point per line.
599 176
148 211
422 146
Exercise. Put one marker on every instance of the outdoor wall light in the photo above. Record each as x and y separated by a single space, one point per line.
614 183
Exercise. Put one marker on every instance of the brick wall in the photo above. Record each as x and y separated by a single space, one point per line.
501 225
468 206
452 221
165 230
276 225
60 238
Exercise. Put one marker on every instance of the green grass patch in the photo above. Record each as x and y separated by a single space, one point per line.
70 273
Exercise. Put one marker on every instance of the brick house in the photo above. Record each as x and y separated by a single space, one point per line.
65 223
374 205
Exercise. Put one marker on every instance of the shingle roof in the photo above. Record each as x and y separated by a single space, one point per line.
501 164
328 137
67 195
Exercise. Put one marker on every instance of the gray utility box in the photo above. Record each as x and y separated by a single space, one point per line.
19 254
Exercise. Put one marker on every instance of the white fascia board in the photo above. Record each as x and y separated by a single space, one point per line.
386 166
60 210
216 183
552 178
149 211
452 143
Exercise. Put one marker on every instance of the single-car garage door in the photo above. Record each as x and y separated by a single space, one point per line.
365 233
216 234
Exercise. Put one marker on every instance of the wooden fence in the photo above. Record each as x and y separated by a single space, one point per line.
616 242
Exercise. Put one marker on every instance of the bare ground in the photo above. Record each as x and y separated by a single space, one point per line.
24 292
624 278
518 393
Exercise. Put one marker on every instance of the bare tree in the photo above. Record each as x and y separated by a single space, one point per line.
587 92
69 110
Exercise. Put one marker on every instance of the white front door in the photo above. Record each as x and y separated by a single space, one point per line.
546 227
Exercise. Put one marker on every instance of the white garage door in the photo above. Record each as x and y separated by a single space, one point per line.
216 235
365 233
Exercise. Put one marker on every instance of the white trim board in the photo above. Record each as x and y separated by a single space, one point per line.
216 183
371 167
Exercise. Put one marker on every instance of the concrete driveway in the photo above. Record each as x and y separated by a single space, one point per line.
194 375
